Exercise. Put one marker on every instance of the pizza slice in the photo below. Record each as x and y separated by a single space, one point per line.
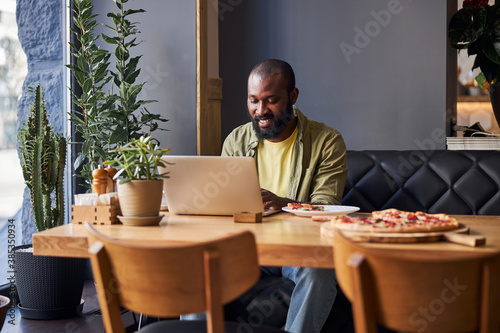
305 207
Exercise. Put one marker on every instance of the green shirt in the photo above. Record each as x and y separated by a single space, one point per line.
319 169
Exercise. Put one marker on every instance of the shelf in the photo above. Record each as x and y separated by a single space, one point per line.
478 98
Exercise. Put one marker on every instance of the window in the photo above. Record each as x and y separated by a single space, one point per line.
13 69
473 103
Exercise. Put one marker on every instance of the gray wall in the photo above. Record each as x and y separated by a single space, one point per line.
375 70
386 92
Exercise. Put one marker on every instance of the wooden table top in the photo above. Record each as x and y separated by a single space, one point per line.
282 239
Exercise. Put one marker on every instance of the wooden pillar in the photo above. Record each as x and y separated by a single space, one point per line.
208 90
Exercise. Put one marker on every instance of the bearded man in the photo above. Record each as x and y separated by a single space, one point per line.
298 160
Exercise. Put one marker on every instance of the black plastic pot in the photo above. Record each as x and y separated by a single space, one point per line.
495 100
48 287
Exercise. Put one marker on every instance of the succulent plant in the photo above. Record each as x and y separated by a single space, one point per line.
138 159
43 159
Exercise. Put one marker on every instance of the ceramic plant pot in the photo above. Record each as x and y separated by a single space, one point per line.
4 306
140 198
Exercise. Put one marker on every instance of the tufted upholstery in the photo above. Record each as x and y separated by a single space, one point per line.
454 182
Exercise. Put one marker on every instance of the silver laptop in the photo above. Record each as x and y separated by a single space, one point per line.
212 185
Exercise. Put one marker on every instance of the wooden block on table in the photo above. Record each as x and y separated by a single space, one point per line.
248 217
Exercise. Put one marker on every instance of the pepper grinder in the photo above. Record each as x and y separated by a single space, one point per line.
99 181
111 182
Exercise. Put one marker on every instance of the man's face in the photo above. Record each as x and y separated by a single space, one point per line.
270 106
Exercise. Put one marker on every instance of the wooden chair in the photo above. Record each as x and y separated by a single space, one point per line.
419 291
171 280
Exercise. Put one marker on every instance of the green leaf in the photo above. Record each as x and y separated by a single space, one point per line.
86 146
491 46
135 90
124 86
466 26
110 40
481 79
73 46
87 86
79 161
121 52
75 119
119 135
488 67
80 77
81 64
113 15
133 11
102 154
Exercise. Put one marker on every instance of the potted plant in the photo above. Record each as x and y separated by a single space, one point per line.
476 27
48 287
108 112
140 185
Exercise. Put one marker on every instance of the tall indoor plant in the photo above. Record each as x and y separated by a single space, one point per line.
476 27
140 186
108 112
48 287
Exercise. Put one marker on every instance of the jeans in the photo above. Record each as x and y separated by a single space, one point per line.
312 298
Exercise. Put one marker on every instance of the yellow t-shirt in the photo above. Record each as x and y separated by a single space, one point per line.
274 160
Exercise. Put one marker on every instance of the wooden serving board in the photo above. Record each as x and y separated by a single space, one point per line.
460 236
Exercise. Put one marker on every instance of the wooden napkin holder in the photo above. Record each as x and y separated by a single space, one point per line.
247 217
96 214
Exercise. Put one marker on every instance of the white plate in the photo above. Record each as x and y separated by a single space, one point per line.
330 210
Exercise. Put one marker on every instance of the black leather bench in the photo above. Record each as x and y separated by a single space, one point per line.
434 181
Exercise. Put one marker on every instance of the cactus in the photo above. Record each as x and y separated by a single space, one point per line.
43 159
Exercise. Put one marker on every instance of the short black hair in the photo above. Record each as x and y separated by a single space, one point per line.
275 66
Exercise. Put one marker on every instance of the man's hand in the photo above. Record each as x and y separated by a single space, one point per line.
272 201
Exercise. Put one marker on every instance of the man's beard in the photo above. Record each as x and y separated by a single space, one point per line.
277 125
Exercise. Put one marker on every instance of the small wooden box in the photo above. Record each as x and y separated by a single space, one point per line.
96 214
247 217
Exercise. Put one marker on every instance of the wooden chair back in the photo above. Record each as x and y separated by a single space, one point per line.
170 280
419 291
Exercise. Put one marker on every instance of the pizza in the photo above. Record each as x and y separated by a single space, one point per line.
396 221
305 207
